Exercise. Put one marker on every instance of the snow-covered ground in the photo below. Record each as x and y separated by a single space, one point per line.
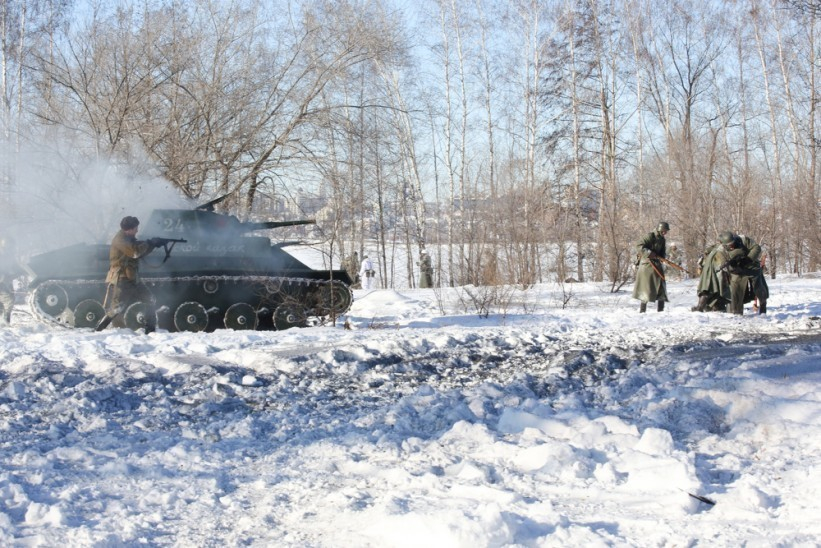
424 425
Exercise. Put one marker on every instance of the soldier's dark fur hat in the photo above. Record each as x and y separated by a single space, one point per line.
129 222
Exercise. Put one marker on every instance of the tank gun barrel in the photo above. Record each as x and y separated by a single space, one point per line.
209 206
276 224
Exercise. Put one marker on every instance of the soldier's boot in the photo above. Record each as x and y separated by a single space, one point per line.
103 323
702 304
762 306
643 307
660 306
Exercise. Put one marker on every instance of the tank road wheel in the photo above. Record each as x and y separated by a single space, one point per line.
88 313
136 316
289 315
335 297
51 299
191 316
241 316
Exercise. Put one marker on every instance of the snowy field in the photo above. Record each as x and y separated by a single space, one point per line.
424 425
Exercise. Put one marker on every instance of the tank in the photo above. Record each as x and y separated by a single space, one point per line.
222 275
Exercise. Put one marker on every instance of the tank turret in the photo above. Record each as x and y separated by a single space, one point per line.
202 224
224 274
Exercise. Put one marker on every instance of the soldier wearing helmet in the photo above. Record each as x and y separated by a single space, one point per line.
726 237
650 283
747 281
124 285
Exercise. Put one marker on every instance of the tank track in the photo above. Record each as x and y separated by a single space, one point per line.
278 290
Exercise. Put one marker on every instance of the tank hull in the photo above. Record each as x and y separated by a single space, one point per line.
242 283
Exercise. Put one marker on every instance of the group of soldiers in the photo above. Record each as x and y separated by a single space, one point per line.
731 273
364 274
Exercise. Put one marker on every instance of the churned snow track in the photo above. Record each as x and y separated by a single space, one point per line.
74 385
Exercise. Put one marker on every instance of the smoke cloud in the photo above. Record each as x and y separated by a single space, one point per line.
53 195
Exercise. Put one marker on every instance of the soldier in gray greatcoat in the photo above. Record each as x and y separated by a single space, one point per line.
650 283
425 271
351 266
747 279
714 282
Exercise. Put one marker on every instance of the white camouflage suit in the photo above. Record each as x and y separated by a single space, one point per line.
366 273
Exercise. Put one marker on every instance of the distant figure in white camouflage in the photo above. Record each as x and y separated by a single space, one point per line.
366 273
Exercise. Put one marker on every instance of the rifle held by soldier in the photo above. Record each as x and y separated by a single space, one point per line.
164 243
674 265
157 242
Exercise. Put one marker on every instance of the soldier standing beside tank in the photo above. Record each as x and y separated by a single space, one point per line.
650 283
8 271
745 272
352 268
124 285
425 271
